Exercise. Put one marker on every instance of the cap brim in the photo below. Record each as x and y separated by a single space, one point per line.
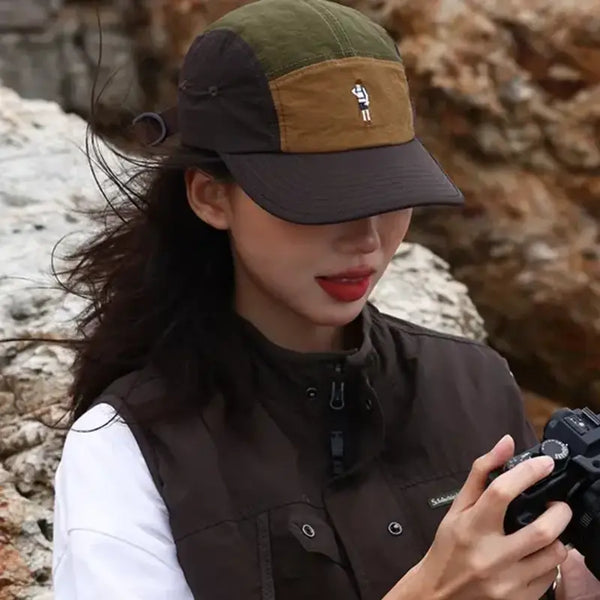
333 187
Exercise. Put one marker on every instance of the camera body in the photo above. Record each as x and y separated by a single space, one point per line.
572 439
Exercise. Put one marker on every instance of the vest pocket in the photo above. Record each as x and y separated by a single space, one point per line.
303 541
307 560
314 534
221 562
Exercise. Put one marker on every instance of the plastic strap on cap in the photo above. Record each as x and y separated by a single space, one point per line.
152 128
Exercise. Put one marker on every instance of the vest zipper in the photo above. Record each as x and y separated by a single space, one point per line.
338 432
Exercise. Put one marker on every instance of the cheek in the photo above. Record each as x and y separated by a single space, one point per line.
277 253
393 230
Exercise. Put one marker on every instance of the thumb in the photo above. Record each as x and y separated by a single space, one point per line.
475 483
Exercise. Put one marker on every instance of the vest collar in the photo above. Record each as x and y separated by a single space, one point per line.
357 357
372 369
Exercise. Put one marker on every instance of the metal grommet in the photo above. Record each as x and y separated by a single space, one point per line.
311 393
308 530
213 90
162 136
395 528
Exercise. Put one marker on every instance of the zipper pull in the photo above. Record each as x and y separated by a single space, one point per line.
337 400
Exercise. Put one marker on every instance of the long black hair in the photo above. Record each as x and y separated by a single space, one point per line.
157 281
158 284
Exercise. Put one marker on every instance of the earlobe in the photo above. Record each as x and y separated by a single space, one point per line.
207 198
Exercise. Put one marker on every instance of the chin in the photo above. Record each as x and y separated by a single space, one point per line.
337 315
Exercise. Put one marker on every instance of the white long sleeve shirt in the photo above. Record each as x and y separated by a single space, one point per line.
112 537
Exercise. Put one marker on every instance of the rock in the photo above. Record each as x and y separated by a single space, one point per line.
417 287
48 182
50 49
508 99
48 179
25 544
26 15
539 410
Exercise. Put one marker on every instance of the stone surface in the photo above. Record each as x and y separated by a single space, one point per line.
539 410
508 99
26 15
50 49
418 287
45 180
25 544
41 196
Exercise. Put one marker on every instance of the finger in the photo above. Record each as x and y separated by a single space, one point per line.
539 563
539 586
541 533
481 468
491 508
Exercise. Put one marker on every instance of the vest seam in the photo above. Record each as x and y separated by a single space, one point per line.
265 562
124 412
409 508
253 515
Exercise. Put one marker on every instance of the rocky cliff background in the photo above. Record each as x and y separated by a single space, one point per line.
507 96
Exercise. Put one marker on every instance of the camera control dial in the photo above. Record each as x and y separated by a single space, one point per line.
556 449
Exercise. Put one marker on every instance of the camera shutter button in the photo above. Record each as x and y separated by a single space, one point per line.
556 449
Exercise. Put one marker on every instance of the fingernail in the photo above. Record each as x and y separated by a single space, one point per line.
547 463
500 441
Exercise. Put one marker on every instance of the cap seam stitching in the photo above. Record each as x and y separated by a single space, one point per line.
316 58
258 75
328 23
299 71
279 110
350 48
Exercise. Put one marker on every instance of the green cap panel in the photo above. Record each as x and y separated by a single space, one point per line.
305 32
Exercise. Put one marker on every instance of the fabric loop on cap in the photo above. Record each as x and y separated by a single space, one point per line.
153 128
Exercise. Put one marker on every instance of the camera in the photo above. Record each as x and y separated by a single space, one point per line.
572 439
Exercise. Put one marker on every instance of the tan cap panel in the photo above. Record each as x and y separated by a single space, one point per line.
319 107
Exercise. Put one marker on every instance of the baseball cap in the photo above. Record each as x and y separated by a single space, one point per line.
307 104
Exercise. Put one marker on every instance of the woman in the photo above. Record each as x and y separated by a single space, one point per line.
247 425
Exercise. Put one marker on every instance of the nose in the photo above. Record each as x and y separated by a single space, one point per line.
360 236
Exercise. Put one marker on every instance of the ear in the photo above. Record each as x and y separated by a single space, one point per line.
209 199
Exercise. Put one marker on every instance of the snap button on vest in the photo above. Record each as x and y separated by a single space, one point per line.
311 393
308 531
395 528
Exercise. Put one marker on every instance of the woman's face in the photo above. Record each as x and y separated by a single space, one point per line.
300 276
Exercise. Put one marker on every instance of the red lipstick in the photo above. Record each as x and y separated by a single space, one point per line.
348 286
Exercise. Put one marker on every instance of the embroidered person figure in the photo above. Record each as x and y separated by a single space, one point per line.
364 102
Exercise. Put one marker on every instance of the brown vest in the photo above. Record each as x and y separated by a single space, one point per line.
347 472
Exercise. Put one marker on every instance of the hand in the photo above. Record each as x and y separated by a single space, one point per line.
577 582
471 557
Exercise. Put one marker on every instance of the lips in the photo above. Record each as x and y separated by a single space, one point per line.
348 286
359 273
